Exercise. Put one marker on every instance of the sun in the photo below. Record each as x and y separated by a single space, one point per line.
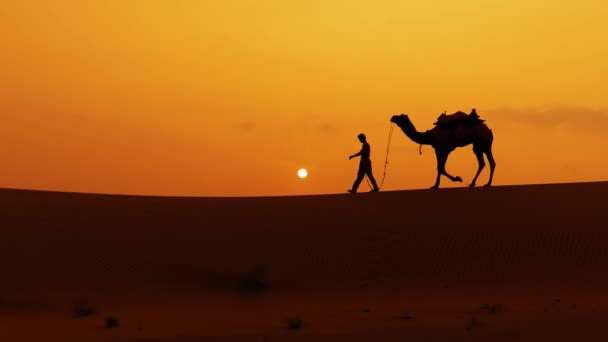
302 173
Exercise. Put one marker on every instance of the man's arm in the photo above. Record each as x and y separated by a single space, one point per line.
355 155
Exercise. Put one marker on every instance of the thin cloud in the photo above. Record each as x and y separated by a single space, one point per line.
245 126
309 124
578 118
328 128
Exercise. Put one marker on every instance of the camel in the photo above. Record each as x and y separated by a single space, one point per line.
452 131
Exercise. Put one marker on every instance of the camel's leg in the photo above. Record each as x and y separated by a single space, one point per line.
492 164
445 173
442 158
479 154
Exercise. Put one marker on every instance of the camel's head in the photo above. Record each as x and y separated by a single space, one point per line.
399 118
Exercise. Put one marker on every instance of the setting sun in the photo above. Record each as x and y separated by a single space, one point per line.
302 173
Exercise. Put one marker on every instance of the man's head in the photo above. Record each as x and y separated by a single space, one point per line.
361 137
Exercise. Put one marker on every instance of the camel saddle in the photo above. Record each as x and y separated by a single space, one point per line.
458 118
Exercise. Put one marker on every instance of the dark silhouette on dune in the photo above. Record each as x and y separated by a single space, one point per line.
452 131
365 165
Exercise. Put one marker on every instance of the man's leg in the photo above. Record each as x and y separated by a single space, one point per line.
360 176
371 178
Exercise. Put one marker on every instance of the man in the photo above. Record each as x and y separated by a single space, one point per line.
365 166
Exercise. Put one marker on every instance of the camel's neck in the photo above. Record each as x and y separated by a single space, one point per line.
422 138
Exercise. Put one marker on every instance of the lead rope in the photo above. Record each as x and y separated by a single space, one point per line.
388 146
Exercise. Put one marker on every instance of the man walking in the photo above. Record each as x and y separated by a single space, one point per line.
365 166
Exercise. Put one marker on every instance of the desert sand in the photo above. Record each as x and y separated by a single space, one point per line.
507 263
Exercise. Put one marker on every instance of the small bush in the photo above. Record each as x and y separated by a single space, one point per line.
472 323
406 316
255 281
294 323
111 322
82 308
494 308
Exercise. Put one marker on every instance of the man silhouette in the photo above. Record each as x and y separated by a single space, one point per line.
365 166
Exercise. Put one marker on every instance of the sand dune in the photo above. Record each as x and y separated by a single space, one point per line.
351 266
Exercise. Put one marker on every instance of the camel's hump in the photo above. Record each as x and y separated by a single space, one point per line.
458 118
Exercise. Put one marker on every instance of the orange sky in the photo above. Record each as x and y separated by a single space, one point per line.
230 98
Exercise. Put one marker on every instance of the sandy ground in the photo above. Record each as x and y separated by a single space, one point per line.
509 263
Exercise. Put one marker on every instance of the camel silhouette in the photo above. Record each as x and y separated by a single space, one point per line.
452 131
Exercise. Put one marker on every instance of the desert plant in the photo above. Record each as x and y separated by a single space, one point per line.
111 322
406 316
294 323
472 323
82 308
255 281
494 308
